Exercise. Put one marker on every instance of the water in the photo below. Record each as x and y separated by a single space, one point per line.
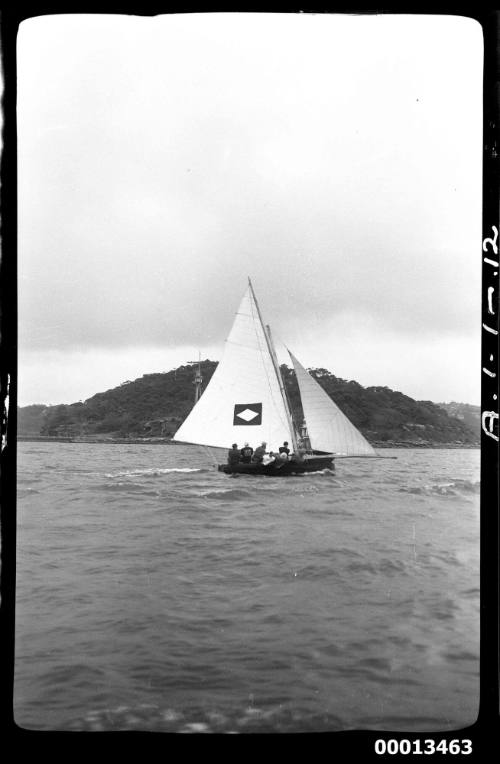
155 593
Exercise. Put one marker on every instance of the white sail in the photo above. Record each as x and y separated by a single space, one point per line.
243 401
328 428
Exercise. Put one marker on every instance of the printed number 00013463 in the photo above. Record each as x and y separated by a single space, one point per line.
427 747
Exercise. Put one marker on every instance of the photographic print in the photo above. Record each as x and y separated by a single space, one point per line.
249 274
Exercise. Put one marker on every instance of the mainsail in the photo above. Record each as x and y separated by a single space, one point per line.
328 428
244 400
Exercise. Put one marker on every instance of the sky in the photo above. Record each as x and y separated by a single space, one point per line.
334 159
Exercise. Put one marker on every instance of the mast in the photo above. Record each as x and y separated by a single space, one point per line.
272 352
288 409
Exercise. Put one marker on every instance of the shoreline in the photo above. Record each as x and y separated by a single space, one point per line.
170 442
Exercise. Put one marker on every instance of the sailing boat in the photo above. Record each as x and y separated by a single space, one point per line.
246 401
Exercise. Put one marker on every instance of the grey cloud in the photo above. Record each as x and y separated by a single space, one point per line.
153 180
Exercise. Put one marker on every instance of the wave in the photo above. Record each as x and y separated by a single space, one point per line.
154 472
452 488
385 566
227 494
22 479
273 717
23 492
126 488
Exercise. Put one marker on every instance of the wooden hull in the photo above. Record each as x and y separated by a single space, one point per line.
281 469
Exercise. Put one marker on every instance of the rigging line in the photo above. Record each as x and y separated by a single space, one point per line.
289 425
263 355
277 373
284 394
277 408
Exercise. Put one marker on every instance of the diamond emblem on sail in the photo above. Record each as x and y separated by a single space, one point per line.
247 413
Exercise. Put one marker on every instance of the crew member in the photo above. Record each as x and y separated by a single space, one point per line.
284 450
233 455
268 458
259 452
246 454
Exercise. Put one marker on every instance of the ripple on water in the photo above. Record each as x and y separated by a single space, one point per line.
155 594
451 488
156 472
245 719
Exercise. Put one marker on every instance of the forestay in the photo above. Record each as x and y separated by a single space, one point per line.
328 428
242 401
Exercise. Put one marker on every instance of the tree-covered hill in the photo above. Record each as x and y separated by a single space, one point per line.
469 414
384 415
156 404
30 419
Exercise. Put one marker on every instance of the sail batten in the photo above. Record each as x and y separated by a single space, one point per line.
328 427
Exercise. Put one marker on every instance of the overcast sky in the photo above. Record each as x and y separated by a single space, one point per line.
336 160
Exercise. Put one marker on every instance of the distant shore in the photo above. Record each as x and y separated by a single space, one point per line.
170 442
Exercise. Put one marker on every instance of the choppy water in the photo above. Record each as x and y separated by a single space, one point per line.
154 593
